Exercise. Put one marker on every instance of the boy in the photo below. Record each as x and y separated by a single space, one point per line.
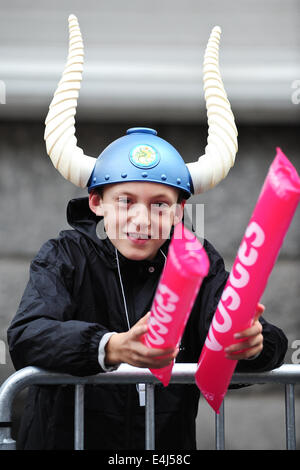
85 307
74 300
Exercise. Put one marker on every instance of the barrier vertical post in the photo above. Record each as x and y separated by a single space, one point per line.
79 418
149 418
220 428
290 417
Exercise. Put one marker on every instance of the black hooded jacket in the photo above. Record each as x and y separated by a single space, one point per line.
72 299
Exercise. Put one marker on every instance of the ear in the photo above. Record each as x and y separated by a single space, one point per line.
179 211
96 203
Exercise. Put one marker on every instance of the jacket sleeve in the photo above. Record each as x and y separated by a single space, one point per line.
275 342
45 332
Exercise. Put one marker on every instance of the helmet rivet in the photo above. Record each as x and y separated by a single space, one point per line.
94 179
188 185
106 177
144 174
178 180
124 175
163 177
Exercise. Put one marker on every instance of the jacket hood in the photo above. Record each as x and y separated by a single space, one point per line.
82 219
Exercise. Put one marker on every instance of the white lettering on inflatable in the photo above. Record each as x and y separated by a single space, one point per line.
211 342
171 298
227 322
230 293
243 280
156 329
251 258
254 228
165 303
247 256
161 315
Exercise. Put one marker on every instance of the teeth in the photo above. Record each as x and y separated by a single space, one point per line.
138 236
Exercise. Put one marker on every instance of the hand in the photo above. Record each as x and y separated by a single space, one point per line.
127 347
252 343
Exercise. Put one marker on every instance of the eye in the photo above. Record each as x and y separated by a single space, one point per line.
123 200
160 205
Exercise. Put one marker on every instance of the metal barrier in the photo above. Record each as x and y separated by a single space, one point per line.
288 374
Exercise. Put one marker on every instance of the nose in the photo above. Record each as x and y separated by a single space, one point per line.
140 216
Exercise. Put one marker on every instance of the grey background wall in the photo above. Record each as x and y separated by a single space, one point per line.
143 67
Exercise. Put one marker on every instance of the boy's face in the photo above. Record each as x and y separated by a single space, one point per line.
138 216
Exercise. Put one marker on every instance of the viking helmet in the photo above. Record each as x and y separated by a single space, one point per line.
140 155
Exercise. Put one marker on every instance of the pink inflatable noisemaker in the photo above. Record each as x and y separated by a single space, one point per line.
186 266
256 257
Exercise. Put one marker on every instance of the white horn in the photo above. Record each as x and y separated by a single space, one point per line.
61 142
222 144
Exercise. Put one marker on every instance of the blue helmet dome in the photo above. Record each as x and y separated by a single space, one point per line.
141 155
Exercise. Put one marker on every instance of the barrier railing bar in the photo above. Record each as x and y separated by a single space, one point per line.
79 417
220 428
290 417
288 374
150 418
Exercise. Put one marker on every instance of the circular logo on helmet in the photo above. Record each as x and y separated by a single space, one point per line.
144 156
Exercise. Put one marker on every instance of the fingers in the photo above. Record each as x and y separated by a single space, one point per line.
253 330
152 358
133 351
139 355
144 319
260 308
244 350
251 343
141 327
138 330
